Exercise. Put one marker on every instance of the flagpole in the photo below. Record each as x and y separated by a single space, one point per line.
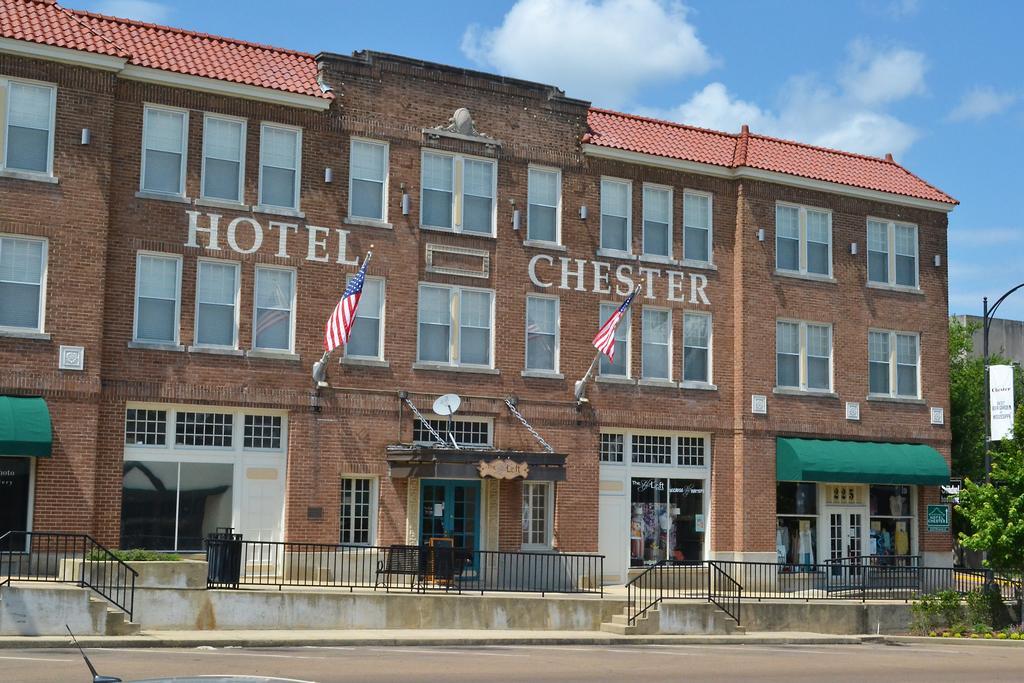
581 385
320 367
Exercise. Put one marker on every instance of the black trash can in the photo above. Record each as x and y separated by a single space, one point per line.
223 558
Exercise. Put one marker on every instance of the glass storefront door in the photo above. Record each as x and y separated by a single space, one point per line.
667 520
845 543
15 487
451 509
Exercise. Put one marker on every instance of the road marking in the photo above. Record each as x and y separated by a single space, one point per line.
37 659
643 650
426 649
204 651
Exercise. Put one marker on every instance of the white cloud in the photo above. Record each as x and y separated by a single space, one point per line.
980 103
140 10
603 50
898 9
872 76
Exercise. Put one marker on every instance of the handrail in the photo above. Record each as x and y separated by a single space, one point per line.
44 556
652 586
721 598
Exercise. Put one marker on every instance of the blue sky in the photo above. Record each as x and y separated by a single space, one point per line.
935 82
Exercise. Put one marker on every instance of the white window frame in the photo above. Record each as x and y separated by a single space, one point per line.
459 191
670 343
549 510
292 312
184 150
373 513
454 334
707 382
643 220
601 318
802 270
557 207
177 296
5 91
459 418
264 125
890 226
803 357
383 220
383 313
894 366
711 229
241 161
43 276
601 250
558 335
238 292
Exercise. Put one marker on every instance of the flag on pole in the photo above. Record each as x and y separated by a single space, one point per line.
604 340
339 326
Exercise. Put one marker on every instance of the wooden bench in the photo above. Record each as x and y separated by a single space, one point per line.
402 560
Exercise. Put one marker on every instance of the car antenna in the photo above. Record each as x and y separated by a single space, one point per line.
96 678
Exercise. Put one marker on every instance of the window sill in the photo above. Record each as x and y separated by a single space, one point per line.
365 362
701 386
442 367
542 374
461 233
221 203
808 393
805 276
155 346
216 350
32 176
272 355
700 265
527 548
177 198
654 258
542 244
662 383
606 379
895 288
25 334
615 253
369 223
278 211
896 399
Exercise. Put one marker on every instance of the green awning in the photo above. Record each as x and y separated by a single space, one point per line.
25 427
858 462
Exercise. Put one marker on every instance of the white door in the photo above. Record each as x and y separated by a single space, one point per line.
262 507
845 541
612 537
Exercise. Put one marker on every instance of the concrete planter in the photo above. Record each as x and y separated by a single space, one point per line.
179 574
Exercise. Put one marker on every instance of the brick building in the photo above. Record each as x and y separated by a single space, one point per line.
179 214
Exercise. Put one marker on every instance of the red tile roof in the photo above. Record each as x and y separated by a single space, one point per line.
161 47
676 141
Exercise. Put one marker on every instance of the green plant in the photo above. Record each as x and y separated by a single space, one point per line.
985 608
937 610
133 555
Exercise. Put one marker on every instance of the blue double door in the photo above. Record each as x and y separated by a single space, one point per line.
450 508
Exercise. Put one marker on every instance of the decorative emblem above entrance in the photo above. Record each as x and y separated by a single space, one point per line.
461 127
503 468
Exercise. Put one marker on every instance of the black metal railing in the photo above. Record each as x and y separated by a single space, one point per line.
67 558
234 563
724 591
665 580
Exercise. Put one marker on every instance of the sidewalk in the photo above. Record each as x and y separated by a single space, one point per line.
435 637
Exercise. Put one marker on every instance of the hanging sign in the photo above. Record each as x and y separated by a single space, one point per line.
1000 396
503 469
938 518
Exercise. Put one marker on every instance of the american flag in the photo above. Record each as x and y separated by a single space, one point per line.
604 340
339 325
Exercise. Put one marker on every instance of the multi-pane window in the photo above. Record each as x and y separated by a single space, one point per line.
803 240
696 347
22 283
657 340
649 449
616 216
464 432
619 367
367 340
610 447
280 166
28 122
368 176
803 356
223 157
893 364
273 312
544 198
691 451
657 210
536 513
542 333
203 429
164 140
697 227
157 301
444 207
356 510
145 427
892 253
217 304
262 431
455 325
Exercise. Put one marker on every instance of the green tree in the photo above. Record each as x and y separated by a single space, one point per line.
967 405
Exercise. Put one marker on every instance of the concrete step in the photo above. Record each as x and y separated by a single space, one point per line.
114 622
648 624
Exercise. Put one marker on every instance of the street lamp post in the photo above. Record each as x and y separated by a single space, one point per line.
986 326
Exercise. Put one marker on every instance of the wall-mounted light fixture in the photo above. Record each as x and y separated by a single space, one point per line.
405 200
937 260
515 214
328 175
583 212
86 136
760 234
853 248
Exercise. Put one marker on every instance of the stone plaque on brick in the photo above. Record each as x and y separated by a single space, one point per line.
938 416
449 260
759 404
71 358
852 411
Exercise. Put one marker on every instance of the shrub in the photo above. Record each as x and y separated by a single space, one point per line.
985 607
133 555
937 610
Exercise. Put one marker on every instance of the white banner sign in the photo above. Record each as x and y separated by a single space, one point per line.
1000 396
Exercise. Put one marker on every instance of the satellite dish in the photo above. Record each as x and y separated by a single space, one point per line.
447 404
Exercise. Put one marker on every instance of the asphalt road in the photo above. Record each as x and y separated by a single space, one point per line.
586 664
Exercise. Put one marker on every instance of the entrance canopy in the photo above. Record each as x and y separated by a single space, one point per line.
429 462
25 427
858 462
